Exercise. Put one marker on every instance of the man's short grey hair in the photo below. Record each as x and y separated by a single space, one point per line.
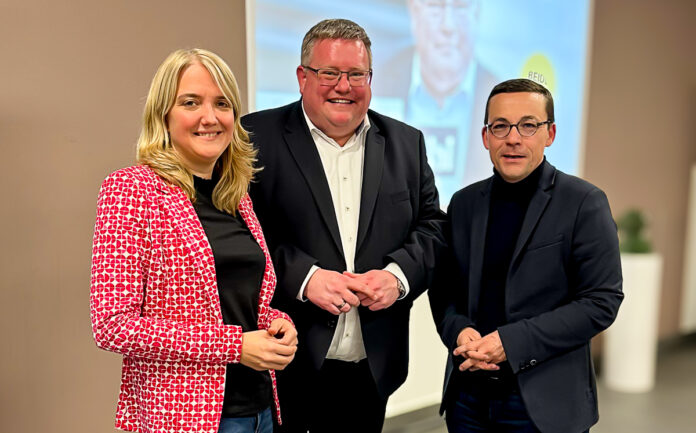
336 28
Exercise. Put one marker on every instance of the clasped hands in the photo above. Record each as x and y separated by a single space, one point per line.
480 353
339 292
271 348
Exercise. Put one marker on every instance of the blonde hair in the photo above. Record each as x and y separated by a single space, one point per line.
236 164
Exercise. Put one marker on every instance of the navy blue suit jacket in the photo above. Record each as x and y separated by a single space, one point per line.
563 287
400 221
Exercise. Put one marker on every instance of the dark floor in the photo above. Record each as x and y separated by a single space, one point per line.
669 408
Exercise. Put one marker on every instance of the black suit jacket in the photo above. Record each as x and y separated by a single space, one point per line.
563 287
400 221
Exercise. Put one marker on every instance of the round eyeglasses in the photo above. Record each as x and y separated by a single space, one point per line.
331 76
526 128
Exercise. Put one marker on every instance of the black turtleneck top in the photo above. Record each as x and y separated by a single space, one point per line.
239 268
508 206
509 202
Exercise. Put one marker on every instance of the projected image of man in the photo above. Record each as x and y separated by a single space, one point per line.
446 84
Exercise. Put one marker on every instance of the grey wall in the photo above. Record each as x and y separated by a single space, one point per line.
640 130
73 79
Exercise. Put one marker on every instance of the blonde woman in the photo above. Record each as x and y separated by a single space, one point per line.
181 275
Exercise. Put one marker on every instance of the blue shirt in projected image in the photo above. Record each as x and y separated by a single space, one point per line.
446 128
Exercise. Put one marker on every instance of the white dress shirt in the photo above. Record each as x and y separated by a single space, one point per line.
343 167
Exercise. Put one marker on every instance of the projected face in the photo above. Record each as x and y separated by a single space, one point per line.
444 34
515 156
336 110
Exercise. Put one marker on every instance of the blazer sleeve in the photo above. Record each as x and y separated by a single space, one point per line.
121 256
275 314
425 242
446 291
595 282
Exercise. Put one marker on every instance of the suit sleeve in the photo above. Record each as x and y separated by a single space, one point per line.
424 243
595 282
447 287
292 265
120 259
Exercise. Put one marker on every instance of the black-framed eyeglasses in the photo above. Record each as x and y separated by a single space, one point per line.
331 76
526 128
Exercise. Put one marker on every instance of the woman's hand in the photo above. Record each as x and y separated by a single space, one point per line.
270 349
283 330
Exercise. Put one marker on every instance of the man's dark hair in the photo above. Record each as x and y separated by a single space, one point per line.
522 85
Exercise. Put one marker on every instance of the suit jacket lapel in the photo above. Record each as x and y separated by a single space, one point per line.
536 208
372 178
303 149
479 225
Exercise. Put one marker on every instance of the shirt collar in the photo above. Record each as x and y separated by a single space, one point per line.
362 128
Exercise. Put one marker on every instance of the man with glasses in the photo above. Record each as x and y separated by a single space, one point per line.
349 208
532 273
447 84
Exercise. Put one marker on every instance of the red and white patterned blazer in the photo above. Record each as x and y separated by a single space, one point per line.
154 299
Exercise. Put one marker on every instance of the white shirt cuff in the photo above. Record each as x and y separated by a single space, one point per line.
398 273
312 270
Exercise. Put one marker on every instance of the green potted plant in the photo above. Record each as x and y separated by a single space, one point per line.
631 341
631 237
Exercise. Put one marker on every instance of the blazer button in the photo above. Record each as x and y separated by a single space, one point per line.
331 323
533 362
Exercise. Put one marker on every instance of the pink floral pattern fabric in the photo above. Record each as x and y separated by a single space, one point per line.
154 300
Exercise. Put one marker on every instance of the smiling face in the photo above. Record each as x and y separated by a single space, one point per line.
515 156
201 122
336 110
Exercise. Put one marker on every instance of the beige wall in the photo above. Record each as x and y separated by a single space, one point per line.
73 77
640 128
